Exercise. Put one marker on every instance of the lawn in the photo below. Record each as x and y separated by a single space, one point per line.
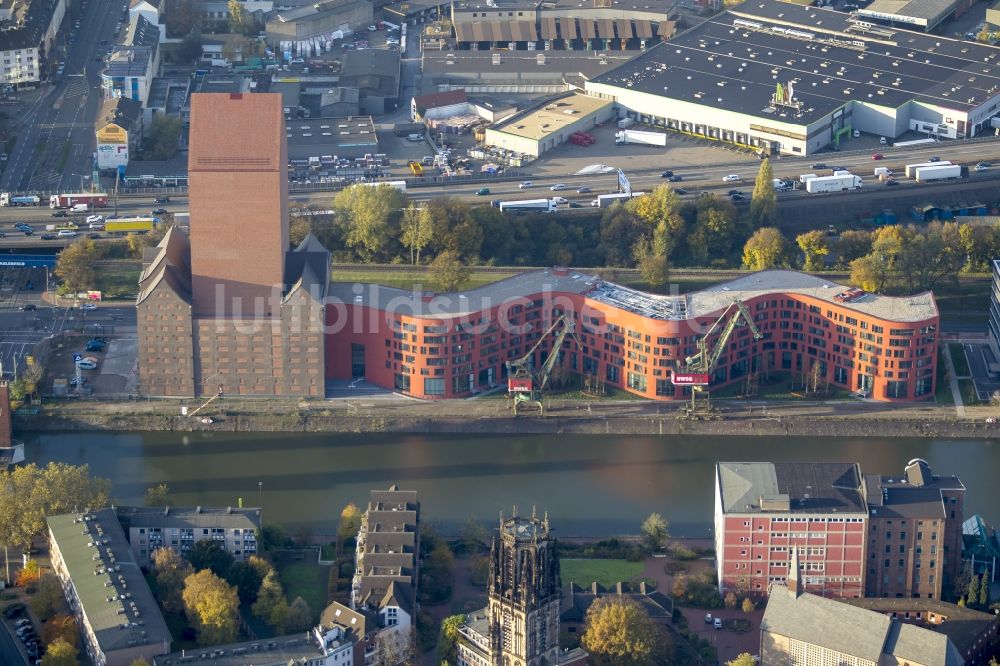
401 278
117 280
966 301
958 359
306 579
604 572
967 389
942 393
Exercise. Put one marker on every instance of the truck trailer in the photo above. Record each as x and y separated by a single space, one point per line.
911 169
120 226
938 172
7 199
605 200
833 183
90 199
529 205
640 138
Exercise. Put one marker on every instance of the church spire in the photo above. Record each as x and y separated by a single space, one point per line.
794 583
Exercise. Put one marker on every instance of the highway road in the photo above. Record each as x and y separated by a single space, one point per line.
55 140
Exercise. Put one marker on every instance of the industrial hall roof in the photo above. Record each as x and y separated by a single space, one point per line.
734 61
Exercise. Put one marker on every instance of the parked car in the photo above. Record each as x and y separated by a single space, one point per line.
525 185
23 622
86 364
717 623
14 609
708 618
95 346
731 178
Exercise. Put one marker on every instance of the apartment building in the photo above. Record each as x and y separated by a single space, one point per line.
117 614
388 547
452 345
179 528
766 511
914 532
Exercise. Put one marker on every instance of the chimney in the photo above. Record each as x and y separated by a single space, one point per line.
794 585
6 429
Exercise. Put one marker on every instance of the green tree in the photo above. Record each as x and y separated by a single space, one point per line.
182 19
48 600
814 247
748 605
61 627
449 637
661 210
239 20
744 659
656 530
28 494
764 250
417 231
163 137
212 605
190 48
984 591
474 538
369 215
436 572
853 244
300 616
350 522
764 204
715 231
171 570
455 228
926 260
75 265
620 231
158 495
618 632
973 593
210 554
60 653
278 617
269 596
448 273
247 576
299 223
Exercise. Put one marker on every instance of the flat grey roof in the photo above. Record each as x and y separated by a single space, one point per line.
277 651
929 12
202 516
696 304
132 617
824 487
735 67
666 6
525 62
349 131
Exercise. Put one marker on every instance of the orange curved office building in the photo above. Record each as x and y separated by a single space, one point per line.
436 346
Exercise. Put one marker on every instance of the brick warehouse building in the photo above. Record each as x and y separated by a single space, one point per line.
233 309
856 534
450 345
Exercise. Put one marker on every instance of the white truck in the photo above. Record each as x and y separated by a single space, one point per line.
833 183
640 138
938 172
911 169
882 171
625 122
529 206
804 178
605 200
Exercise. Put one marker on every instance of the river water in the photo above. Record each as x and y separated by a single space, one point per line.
590 485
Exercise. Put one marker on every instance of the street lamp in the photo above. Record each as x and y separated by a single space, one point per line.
260 494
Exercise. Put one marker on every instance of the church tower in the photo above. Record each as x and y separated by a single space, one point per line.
524 592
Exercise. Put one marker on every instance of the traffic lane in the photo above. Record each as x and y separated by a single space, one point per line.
38 217
986 385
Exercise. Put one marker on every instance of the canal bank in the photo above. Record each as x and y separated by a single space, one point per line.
833 418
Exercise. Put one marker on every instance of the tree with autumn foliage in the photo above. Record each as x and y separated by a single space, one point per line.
213 606
619 632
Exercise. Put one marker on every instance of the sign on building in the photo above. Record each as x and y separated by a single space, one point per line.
689 379
112 147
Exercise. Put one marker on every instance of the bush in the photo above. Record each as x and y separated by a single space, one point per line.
683 553
671 567
608 549
738 625
427 631
698 592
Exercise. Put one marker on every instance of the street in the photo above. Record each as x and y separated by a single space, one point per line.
55 136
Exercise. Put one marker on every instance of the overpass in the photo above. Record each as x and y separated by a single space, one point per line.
28 260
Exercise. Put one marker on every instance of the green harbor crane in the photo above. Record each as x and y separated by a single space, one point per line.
526 387
703 362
